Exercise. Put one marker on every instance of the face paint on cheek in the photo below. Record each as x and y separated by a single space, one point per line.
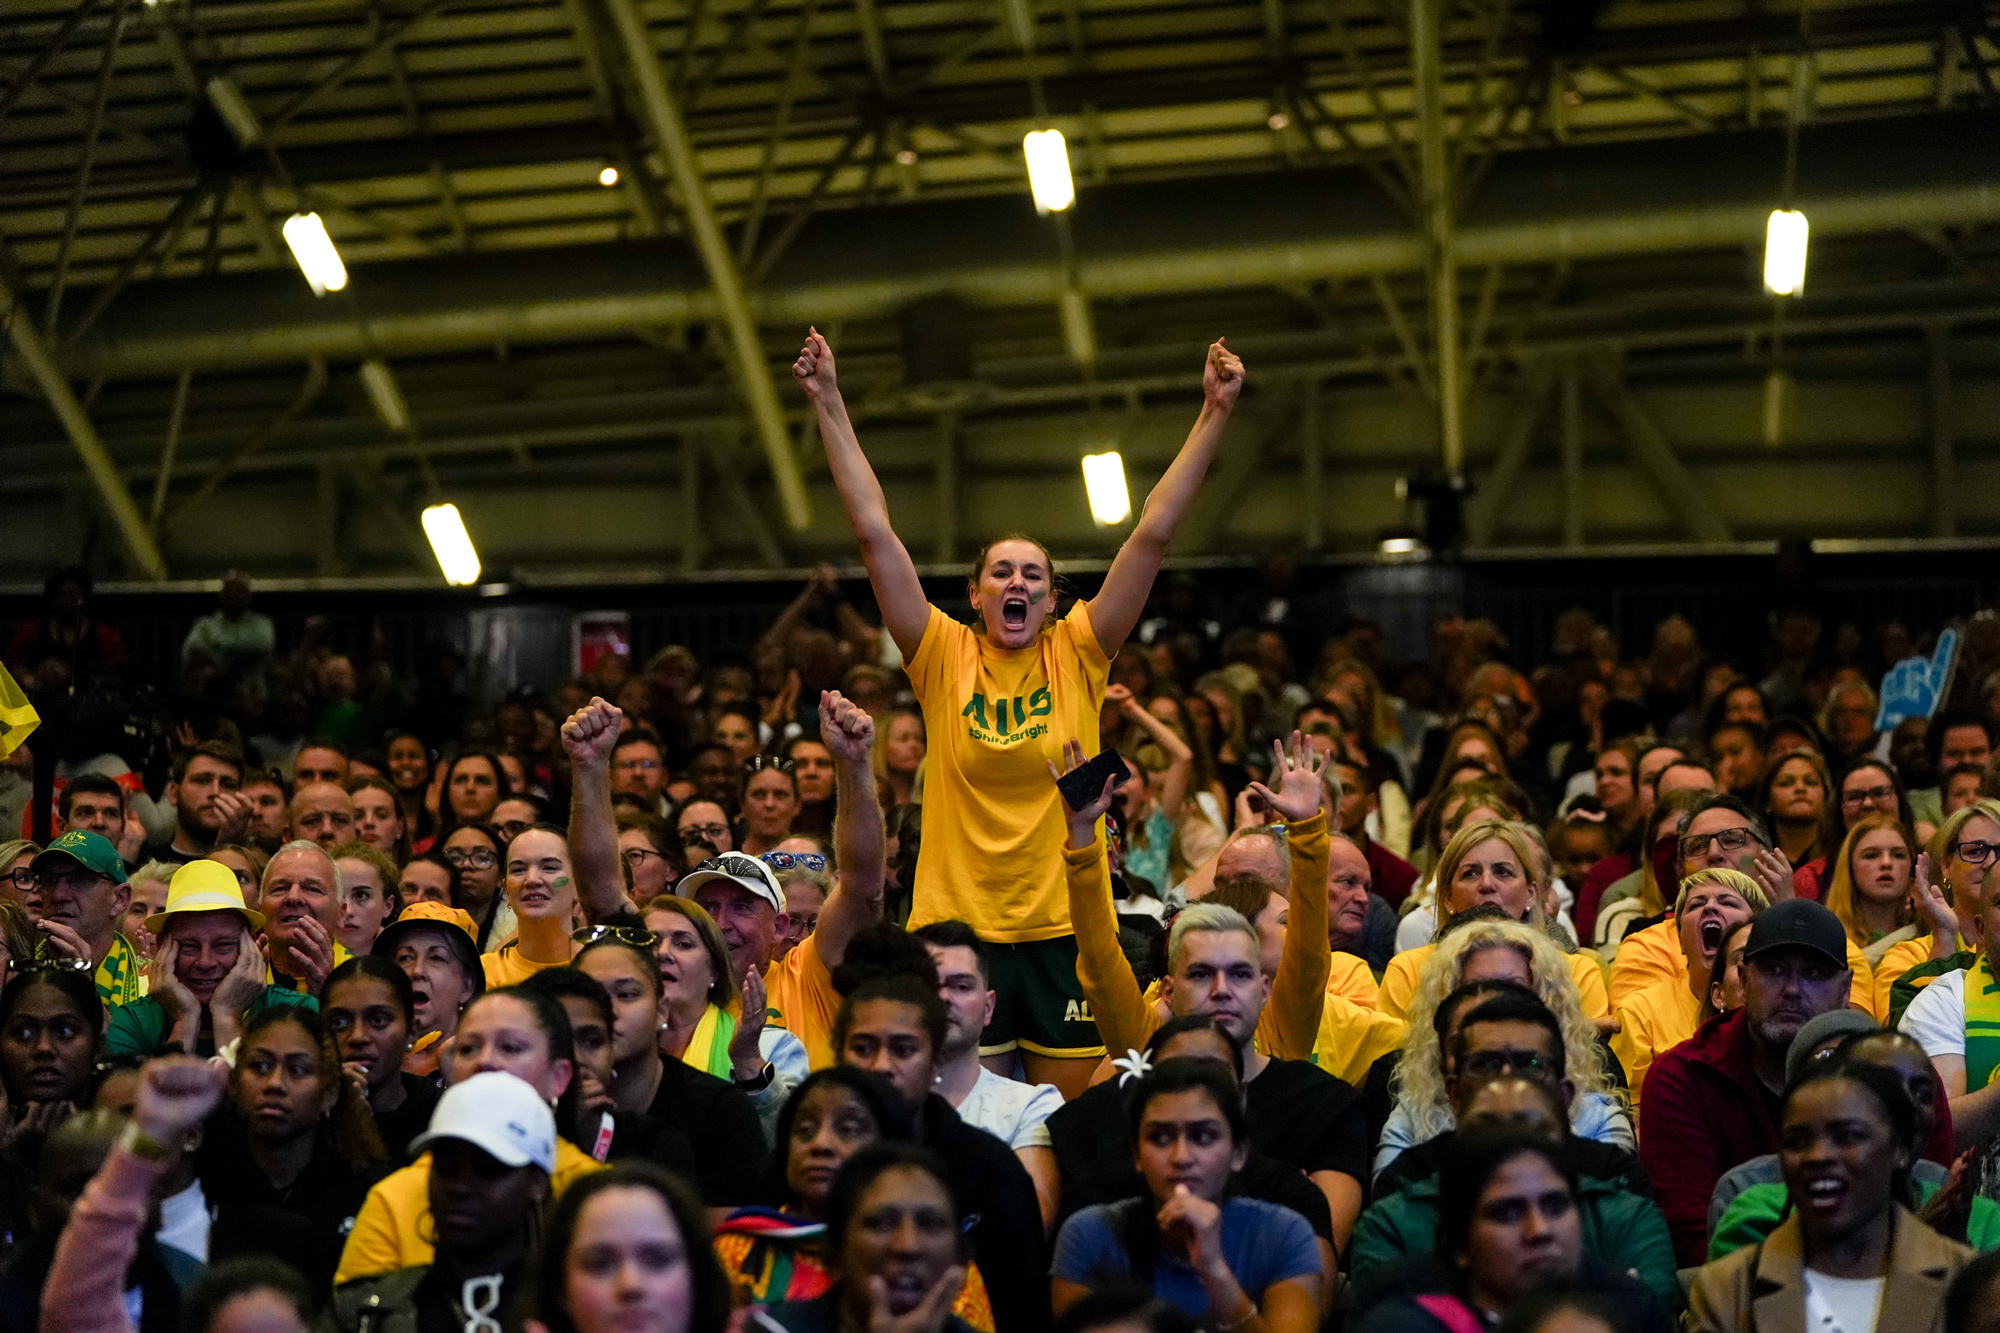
561 881
1036 595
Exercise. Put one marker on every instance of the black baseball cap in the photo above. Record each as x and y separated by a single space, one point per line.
1798 923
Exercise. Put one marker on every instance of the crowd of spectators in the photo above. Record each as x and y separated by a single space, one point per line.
1435 995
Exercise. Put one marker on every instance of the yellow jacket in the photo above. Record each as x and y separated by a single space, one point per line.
1289 1027
1399 982
393 1229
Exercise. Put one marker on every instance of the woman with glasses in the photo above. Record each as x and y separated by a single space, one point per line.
1000 699
1867 787
652 854
705 829
51 1026
17 881
477 852
770 803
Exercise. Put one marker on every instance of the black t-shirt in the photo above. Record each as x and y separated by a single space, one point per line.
413 1117
719 1121
305 1224
1307 1118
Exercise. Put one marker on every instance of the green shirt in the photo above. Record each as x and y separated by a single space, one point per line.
1904 988
140 1028
1755 1213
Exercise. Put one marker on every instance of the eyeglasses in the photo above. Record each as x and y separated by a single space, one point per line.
22 879
1730 839
812 861
637 765
479 858
757 763
1973 853
636 856
1871 796
1492 1064
632 935
703 832
57 962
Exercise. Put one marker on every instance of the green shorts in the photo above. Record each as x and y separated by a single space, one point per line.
1039 1005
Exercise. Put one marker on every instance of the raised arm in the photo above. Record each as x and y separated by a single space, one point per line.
1298 992
588 738
905 609
856 900
1115 609
1180 759
1124 1019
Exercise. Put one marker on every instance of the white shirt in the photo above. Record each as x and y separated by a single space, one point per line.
1841 1304
184 1222
1011 1111
1936 1018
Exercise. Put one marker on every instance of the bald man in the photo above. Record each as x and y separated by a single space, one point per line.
322 813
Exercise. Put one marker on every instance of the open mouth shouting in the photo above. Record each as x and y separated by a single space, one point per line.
1014 612
1712 930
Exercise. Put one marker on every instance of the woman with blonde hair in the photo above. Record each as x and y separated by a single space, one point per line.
1496 951
17 882
1491 861
1470 802
1660 1016
1870 892
696 1025
1936 901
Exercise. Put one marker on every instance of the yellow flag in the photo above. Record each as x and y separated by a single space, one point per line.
17 716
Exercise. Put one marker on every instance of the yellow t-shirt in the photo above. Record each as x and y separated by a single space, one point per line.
1654 955
1399 983
1353 1037
1349 978
1899 959
509 968
993 828
1653 1019
798 989
389 1231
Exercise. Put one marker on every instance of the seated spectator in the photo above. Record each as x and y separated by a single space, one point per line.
378 818
368 896
208 807
428 878
17 876
320 812
1089 1138
1750 1200
651 852
512 1031
269 798
1949 1016
1219 1258
542 894
1389 875
432 945
1508 1065
1713 1101
1479 799
1794 794
300 898
95 803
1872 889
651 1094
1508 1225
490 1161
706 829
1961 785
321 759
292 1154
1486 950
627 1252
1011 1111
103 1247
1955 737
51 1026
770 802
146 895
1489 862
208 975
1628 902
1851 1255
1661 1016
895 1242
81 883
892 1022
478 853
369 1007
774 1254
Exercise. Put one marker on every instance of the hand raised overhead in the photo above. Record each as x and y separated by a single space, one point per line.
814 368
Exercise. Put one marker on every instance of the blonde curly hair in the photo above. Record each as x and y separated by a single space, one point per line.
1418 1082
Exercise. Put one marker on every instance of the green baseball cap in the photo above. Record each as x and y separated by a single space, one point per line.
89 850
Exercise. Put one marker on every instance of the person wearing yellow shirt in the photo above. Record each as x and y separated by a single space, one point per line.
1882 893
1490 861
1348 882
510 1031
299 896
540 884
1664 1014
999 699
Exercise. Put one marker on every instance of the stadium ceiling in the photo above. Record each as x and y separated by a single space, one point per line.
1521 241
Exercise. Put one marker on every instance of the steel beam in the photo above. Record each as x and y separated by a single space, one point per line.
176 418
310 389
1944 471
670 134
1440 255
1572 454
1517 438
1655 458
142 553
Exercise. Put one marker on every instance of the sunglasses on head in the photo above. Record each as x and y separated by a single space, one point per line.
757 763
812 861
633 935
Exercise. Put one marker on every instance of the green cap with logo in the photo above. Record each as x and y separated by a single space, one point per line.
90 850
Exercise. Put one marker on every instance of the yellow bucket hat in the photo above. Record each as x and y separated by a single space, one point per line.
204 886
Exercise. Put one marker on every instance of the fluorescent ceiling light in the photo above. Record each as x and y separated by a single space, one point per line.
380 382
1048 170
1785 252
313 248
452 545
1400 546
1104 487
235 112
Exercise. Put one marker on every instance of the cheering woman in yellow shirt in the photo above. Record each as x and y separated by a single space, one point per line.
999 698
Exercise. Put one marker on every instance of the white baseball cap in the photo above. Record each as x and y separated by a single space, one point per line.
738 868
500 1113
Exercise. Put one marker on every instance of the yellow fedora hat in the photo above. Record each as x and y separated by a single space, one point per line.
204 886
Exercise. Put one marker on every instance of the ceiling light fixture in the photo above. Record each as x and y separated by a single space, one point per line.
1104 486
313 248
608 177
229 103
1785 252
1279 120
452 545
387 398
1048 170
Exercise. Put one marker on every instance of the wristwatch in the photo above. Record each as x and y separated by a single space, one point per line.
761 1081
